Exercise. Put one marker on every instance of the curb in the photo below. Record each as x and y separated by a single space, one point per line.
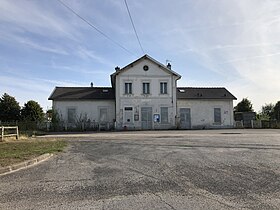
25 164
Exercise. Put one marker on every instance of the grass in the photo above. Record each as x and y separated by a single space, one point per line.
19 151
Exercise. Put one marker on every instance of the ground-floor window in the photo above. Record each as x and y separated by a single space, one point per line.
71 115
217 115
164 115
103 115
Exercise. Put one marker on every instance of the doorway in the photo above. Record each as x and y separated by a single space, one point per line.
146 118
185 118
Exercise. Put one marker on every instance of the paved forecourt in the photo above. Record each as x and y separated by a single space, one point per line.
216 169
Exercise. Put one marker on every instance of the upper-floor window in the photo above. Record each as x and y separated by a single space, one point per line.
217 115
146 88
128 88
163 88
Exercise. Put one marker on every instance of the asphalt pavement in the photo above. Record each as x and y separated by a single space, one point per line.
216 169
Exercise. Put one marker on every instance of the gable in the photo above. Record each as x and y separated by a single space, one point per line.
145 67
155 68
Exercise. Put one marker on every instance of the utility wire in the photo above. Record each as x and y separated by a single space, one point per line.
94 27
133 26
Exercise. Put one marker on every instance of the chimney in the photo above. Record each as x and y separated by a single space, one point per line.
91 84
117 68
169 66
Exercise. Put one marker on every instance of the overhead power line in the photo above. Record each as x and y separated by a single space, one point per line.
94 27
133 26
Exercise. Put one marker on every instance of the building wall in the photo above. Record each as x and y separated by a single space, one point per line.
136 75
86 110
202 113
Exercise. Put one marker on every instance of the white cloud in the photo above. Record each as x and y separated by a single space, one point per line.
240 42
25 89
27 42
28 16
90 54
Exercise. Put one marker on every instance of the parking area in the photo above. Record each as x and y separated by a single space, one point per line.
207 169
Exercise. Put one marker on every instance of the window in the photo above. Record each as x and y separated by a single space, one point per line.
71 113
103 116
146 88
128 88
164 115
217 115
163 88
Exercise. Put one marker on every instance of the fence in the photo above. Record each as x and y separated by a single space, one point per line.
257 124
8 134
83 126
34 128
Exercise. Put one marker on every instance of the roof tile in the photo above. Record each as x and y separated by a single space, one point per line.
204 93
82 93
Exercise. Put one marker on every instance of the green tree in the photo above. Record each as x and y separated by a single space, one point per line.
244 106
49 114
276 111
55 120
9 108
266 112
32 111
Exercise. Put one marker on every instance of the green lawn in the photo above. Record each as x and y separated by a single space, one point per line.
16 152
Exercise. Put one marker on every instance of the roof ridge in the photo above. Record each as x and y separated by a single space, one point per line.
201 87
87 87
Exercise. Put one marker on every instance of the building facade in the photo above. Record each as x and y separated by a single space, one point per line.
144 96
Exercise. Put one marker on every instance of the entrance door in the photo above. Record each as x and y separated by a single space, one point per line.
185 118
146 118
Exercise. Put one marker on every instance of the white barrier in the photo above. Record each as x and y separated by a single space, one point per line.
3 128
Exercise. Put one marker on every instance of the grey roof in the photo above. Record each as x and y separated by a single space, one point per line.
204 93
108 93
82 93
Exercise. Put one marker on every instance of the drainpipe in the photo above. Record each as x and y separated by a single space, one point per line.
174 110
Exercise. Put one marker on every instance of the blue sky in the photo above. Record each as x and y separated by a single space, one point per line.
214 43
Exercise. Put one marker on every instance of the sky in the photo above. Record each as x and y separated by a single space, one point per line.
214 43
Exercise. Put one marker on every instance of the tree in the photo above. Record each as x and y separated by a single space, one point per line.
244 106
266 112
49 114
9 108
55 119
276 111
32 111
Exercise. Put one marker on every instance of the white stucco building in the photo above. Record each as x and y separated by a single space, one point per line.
144 95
